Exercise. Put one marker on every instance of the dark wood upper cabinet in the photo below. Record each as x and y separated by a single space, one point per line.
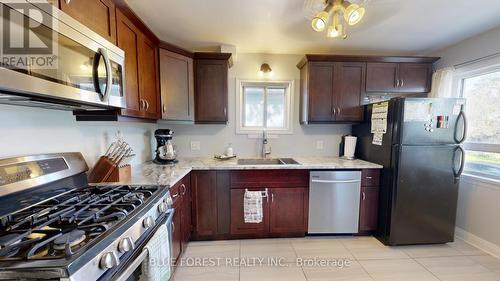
211 92
351 91
148 78
332 92
381 77
141 70
177 86
128 40
98 15
288 209
399 77
321 92
415 77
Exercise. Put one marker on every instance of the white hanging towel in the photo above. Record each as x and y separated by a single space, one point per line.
252 205
156 267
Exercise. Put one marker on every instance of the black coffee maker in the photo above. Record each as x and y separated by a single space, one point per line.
165 152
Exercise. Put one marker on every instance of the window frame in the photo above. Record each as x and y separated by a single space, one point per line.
470 70
288 106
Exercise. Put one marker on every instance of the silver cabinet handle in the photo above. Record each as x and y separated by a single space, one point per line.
334 111
369 178
183 189
67 1
339 110
397 83
173 226
164 108
147 104
272 197
402 82
364 196
225 111
141 104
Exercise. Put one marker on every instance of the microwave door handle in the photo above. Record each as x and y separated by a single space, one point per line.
109 75
464 134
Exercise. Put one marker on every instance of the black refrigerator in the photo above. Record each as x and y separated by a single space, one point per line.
418 143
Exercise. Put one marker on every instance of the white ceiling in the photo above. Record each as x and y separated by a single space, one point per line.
281 26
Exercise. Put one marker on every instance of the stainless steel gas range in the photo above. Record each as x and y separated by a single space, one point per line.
55 226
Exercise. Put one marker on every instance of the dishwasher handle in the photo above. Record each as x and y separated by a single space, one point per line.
335 181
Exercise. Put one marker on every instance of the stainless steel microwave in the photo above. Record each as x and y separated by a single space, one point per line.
79 70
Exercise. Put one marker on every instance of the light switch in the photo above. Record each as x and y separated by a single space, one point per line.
195 145
319 145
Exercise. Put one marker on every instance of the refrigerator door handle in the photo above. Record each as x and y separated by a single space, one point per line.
464 134
458 173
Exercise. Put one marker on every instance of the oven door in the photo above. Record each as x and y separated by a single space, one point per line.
77 65
131 268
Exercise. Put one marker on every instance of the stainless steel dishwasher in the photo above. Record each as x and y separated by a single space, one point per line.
334 198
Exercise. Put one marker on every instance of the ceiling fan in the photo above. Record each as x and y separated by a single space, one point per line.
343 13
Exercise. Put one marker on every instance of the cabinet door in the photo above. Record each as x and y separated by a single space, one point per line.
238 225
350 83
320 96
186 212
368 212
177 86
148 78
127 38
211 91
98 15
381 77
288 210
204 195
415 77
177 231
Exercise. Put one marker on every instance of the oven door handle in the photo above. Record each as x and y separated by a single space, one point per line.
127 272
133 266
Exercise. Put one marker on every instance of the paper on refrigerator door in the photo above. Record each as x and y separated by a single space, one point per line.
379 118
418 111
377 138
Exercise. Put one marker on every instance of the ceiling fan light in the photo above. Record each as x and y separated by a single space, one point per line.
334 31
320 21
353 13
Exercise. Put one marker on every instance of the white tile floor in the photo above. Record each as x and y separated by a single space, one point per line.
344 258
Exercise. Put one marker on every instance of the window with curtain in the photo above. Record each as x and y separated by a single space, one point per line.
481 88
264 106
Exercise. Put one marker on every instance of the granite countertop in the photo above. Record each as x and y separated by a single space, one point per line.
168 175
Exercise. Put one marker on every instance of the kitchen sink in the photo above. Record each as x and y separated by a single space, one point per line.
271 161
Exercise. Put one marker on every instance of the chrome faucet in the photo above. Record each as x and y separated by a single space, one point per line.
266 148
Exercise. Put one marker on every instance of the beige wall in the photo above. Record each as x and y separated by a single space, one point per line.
25 131
479 201
214 138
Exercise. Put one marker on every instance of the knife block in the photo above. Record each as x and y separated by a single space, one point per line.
120 174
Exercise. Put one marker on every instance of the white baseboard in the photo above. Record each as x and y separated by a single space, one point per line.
478 242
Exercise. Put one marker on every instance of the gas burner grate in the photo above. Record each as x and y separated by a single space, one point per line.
62 226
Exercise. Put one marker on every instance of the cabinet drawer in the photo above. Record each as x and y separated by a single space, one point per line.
269 178
370 177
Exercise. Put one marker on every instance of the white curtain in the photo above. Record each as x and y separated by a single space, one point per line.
442 83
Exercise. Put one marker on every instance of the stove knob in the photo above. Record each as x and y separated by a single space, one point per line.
162 208
109 260
125 245
148 222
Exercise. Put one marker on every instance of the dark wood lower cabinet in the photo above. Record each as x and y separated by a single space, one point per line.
368 212
238 225
288 210
181 223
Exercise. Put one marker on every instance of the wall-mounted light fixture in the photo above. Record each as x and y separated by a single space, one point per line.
265 69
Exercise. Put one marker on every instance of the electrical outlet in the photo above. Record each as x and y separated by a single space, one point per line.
195 145
320 145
